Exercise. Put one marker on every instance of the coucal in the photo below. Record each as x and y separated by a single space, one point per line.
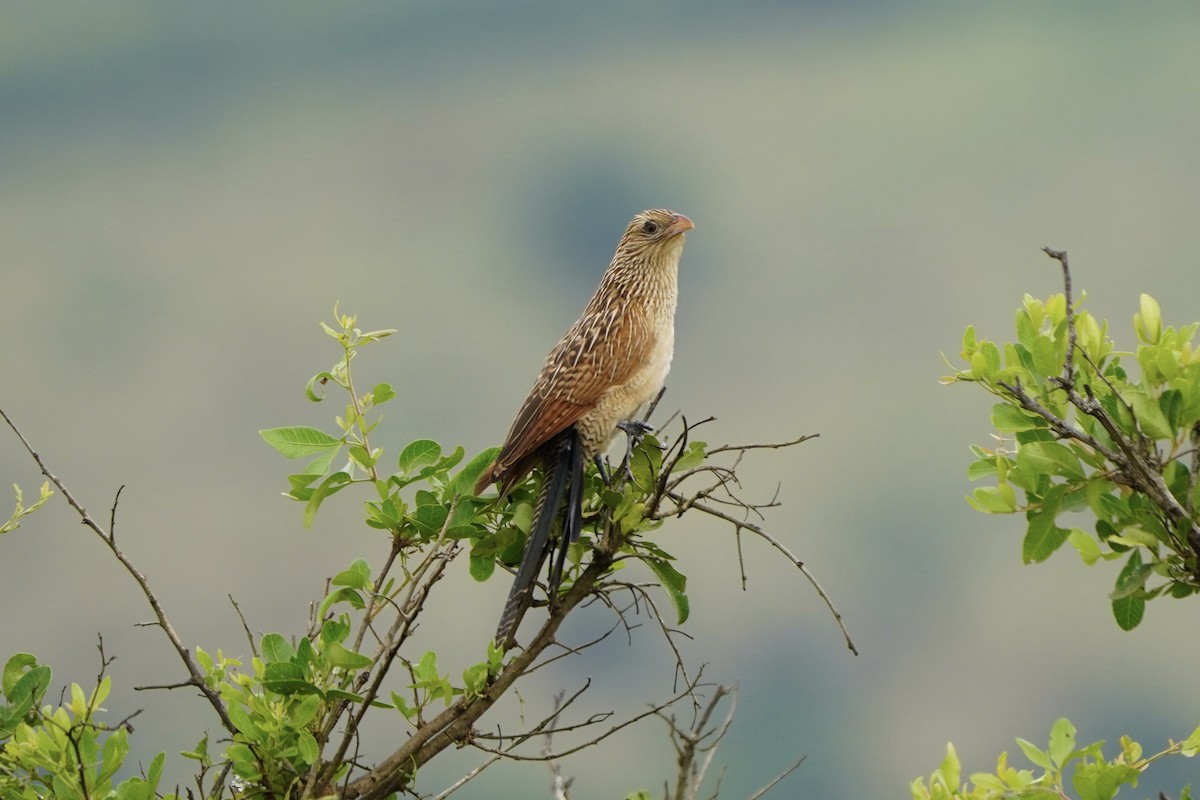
613 360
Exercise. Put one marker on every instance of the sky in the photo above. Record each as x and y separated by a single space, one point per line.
187 190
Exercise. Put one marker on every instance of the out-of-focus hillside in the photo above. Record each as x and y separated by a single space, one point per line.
186 190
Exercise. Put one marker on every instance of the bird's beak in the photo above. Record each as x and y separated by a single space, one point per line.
679 224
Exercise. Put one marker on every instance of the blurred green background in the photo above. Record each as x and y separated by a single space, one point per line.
186 189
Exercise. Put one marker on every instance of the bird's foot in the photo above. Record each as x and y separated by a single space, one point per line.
634 430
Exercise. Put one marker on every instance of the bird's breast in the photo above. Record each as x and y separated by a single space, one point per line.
621 402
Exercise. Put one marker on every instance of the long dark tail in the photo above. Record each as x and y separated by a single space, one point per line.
563 467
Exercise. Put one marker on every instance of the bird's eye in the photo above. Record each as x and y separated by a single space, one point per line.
650 226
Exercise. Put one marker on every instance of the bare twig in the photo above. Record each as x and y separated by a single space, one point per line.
669 633
775 781
654 710
560 785
698 739
767 446
245 627
196 677
1069 364
771 540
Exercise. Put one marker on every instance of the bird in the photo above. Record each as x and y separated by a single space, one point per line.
609 364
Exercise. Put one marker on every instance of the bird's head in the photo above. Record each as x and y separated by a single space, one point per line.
654 234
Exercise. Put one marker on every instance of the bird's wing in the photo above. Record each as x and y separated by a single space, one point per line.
604 349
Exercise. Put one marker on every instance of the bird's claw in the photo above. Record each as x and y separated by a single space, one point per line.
635 428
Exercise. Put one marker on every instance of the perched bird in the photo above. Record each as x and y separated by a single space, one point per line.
612 361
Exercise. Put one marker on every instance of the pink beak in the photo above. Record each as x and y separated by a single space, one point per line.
679 224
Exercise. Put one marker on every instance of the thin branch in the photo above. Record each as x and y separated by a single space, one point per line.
771 540
245 627
768 446
774 781
698 739
543 727
197 678
1069 364
1061 429
639 591
652 711
561 785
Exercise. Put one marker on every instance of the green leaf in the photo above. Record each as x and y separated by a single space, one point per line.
112 754
340 656
320 379
242 721
299 441
1046 357
1128 607
475 678
29 689
1042 539
418 454
275 648
320 465
1050 458
646 462
969 341
1010 419
359 455
331 485
1062 741
425 670
343 595
1026 330
482 566
1034 754
982 468
690 458
1133 536
382 393
357 576
1149 415
17 666
292 686
1087 546
994 499
1191 745
675 583
1101 781
464 481
429 519
1148 322
242 758
307 746
335 630
154 774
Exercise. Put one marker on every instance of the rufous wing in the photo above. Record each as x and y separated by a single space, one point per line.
597 354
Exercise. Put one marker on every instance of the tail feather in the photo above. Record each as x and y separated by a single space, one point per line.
573 520
560 453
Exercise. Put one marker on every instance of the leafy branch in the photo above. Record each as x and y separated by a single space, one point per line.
1078 432
1092 776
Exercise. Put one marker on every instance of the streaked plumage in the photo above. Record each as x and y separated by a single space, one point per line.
613 360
